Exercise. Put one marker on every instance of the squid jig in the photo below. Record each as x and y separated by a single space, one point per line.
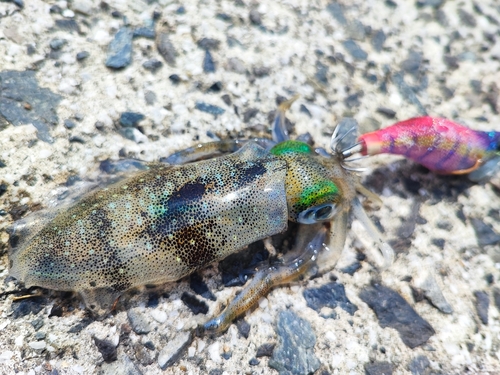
439 144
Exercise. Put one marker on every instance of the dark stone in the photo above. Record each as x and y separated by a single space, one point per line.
419 365
107 349
226 355
407 92
224 17
215 371
149 345
22 87
57 44
199 287
226 99
138 322
378 40
82 55
355 50
265 350
261 71
166 48
412 63
476 86
451 62
144 32
26 306
243 328
484 232
216 87
387 112
467 18
391 4
130 119
393 311
2 164
55 9
378 368
78 327
255 17
482 305
152 65
37 323
76 139
120 49
68 25
181 10
250 114
321 72
3 189
69 124
337 12
429 3
208 62
496 297
174 78
209 44
56 310
351 269
294 354
329 295
209 108
439 242
194 304
304 109
72 179
254 362
490 279
40 336
352 101
18 212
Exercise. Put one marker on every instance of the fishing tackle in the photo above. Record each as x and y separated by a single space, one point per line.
438 144
167 221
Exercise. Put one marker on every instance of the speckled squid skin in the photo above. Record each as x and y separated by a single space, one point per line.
156 226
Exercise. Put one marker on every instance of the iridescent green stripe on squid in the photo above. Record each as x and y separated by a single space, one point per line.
321 192
291 147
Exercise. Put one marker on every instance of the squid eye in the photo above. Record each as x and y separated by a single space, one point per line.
317 214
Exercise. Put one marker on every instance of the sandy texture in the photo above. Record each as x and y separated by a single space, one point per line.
442 60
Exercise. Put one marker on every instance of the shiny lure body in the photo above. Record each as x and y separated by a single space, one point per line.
165 222
437 143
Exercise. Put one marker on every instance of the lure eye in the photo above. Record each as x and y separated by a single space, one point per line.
317 214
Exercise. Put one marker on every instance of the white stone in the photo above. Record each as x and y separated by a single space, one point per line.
214 352
37 345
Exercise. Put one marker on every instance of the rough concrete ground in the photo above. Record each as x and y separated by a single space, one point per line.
378 62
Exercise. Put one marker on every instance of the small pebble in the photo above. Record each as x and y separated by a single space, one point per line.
82 55
120 49
174 349
138 322
69 124
175 79
57 44
255 17
355 50
152 65
37 345
107 349
482 305
208 44
144 32
194 304
265 350
378 368
209 108
131 119
166 48
208 62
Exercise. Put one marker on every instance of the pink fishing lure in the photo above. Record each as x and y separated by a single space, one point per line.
437 143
